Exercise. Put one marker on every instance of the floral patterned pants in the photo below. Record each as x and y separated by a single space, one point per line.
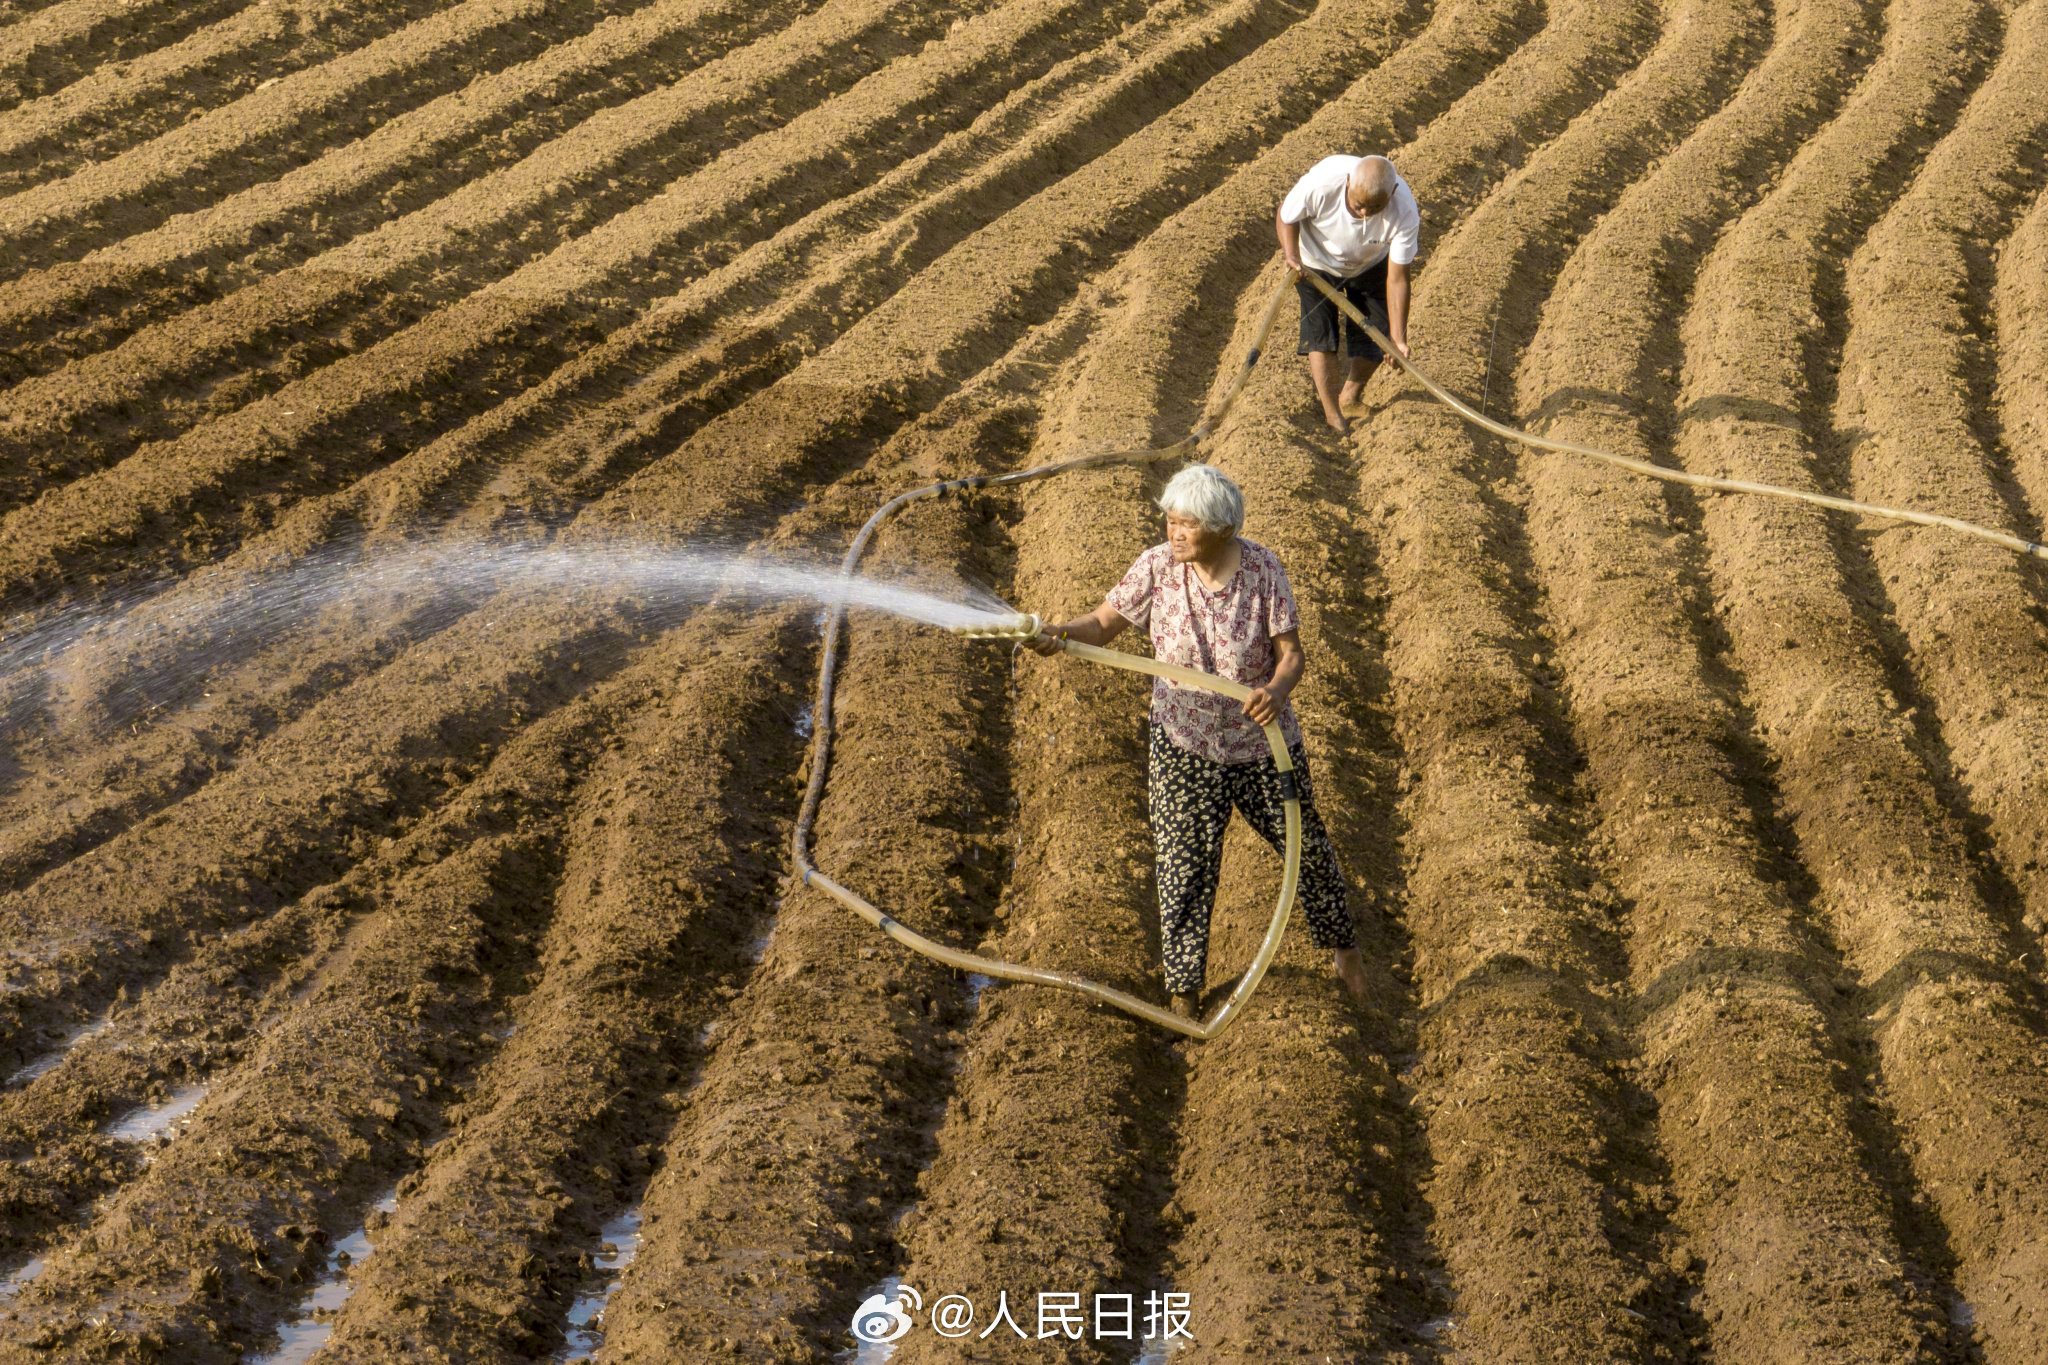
1191 800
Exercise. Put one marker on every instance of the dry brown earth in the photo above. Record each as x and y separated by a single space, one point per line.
1692 840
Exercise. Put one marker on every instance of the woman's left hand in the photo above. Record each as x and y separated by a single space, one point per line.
1263 705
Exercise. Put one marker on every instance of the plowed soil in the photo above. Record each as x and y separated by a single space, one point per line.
1695 843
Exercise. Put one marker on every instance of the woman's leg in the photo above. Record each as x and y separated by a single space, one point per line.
1255 791
1189 810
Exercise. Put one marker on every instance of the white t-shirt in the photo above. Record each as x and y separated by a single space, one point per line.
1337 241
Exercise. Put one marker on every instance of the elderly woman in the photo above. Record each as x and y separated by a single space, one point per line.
1218 602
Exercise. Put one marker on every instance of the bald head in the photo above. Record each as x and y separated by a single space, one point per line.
1371 185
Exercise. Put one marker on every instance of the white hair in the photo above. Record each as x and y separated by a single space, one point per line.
1204 492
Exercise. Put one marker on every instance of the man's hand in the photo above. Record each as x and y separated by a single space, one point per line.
1401 345
1264 704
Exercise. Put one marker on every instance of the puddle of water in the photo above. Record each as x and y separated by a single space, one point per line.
803 722
49 1061
1156 1350
146 1121
1436 1327
586 1314
1962 1313
759 948
864 1352
304 1335
976 984
18 1279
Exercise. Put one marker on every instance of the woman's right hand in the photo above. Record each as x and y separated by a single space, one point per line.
1049 641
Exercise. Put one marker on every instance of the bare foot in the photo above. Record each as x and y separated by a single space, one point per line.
1337 423
1350 967
1183 1006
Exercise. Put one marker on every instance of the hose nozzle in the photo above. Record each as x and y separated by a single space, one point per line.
1024 626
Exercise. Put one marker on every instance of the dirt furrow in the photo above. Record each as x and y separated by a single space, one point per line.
1047 1156
1970 621
800 1143
201 1019
1778 1197
571 297
974 1233
2022 347
1546 1201
57 44
972 303
752 320
667 861
1263 1242
72 788
1865 811
215 359
1510 1041
404 165
105 810
295 814
1762 338
487 233
1966 613
120 105
139 729
1525 95
218 357
1645 725
301 800
266 132
1863 781
1527 1032
537 633
1298 1198
971 1234
204 1253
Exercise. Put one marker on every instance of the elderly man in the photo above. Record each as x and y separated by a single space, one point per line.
1352 220
1215 601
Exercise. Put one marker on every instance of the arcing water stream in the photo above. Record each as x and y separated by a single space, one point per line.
125 658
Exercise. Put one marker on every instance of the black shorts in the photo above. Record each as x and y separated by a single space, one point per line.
1322 324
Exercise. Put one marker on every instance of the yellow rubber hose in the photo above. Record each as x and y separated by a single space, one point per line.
1655 471
821 744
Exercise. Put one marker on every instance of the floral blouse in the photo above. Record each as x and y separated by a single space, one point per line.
1228 633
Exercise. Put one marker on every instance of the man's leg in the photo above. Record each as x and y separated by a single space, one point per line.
1322 340
1361 368
1368 292
1322 368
